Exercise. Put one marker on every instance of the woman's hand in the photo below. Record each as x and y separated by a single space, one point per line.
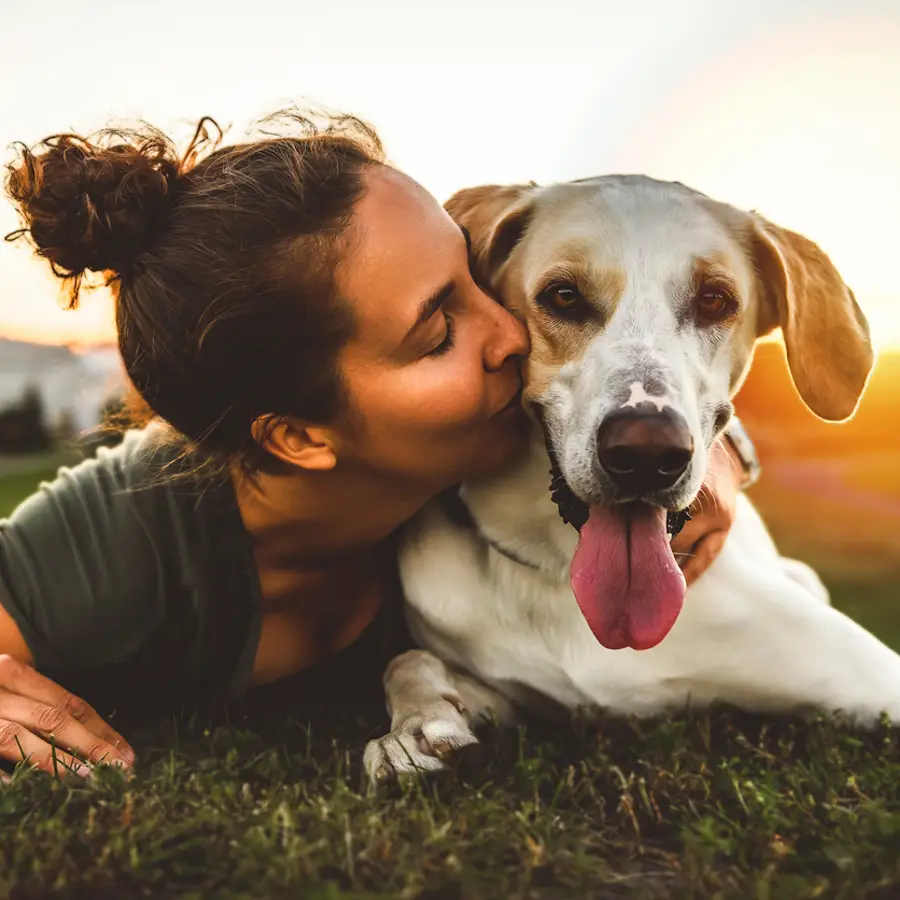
712 513
39 721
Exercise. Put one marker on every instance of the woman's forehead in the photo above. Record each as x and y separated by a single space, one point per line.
403 247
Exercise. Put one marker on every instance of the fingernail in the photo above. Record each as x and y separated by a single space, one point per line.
85 770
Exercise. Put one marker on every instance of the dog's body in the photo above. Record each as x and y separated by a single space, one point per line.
632 392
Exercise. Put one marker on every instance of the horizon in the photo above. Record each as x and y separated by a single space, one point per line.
785 107
111 343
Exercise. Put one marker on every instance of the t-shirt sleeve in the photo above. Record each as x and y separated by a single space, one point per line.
79 571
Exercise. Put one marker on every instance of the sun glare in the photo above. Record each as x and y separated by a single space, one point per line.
798 122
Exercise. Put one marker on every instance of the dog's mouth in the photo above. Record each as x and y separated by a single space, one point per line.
624 575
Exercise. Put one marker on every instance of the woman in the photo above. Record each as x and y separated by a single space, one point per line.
277 312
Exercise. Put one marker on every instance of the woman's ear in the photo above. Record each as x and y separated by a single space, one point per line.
296 442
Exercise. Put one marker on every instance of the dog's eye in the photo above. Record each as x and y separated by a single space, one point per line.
564 300
713 304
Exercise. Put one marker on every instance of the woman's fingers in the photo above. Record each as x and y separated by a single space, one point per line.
18 744
55 725
703 555
18 678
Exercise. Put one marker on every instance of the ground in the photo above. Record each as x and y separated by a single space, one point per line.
263 804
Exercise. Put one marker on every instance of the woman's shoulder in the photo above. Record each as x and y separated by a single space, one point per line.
148 458
104 493
87 561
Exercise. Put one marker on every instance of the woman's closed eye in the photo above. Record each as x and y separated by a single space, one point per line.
447 342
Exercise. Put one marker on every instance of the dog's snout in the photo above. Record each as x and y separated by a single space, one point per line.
642 451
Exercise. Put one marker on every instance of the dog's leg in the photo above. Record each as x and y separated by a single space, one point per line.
431 711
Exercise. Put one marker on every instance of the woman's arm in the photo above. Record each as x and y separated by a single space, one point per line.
11 641
81 566
75 591
40 720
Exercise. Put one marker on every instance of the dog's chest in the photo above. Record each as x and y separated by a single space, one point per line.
509 624
534 645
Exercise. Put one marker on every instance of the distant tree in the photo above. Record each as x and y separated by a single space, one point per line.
32 403
23 428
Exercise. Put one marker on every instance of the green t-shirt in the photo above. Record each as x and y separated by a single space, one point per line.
127 571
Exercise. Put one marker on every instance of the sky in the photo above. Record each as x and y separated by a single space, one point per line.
789 107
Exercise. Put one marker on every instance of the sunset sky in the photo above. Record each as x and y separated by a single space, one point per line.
790 107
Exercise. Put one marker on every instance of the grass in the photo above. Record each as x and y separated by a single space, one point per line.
875 606
722 805
269 800
14 488
20 476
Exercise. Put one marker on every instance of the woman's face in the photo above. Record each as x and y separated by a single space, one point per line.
433 370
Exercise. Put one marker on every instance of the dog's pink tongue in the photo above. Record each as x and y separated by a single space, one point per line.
625 578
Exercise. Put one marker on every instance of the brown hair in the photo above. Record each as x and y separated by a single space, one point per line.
221 260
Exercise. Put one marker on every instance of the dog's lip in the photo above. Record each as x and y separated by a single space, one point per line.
668 506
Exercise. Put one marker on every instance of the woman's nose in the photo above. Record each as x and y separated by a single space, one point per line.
508 337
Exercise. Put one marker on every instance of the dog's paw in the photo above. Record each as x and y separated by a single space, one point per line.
420 743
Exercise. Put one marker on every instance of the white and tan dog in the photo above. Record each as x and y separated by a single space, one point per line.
643 300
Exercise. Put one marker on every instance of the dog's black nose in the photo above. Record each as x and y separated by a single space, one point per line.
642 451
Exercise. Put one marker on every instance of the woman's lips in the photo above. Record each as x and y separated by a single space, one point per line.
514 402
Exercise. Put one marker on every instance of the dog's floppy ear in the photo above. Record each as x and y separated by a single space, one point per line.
825 332
496 217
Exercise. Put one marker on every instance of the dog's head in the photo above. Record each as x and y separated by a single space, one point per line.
644 300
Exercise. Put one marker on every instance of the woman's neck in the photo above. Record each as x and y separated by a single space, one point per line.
317 520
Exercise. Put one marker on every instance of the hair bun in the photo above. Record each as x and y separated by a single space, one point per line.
93 204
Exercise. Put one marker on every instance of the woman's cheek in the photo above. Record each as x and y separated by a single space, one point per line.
439 395
453 398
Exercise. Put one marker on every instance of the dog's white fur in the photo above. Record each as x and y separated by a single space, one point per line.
492 604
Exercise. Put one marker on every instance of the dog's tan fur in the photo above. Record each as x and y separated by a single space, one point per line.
825 332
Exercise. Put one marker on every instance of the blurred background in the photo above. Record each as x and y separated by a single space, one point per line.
789 107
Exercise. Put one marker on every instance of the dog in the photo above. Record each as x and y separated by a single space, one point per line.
644 300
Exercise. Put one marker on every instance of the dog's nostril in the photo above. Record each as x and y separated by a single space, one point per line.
644 452
619 460
674 461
